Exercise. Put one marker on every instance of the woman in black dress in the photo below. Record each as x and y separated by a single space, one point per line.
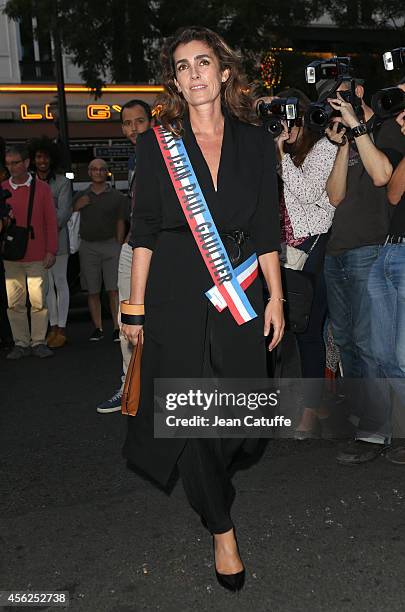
207 104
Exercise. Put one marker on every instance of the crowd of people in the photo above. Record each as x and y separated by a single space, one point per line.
103 229
338 195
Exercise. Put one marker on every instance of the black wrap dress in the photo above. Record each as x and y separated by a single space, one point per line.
184 335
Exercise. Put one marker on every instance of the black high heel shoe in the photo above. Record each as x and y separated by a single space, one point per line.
232 582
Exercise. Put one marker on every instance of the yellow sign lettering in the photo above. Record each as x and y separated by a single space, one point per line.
48 114
25 114
98 111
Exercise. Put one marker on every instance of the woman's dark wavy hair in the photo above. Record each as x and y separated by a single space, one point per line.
235 92
300 149
45 145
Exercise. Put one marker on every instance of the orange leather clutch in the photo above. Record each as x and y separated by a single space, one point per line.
132 386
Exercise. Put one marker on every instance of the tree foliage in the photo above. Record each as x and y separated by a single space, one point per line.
122 38
371 13
101 39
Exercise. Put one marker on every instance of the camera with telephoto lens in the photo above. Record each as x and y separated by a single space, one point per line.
390 101
279 110
320 114
394 59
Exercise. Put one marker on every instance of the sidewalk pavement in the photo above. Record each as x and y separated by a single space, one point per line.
314 535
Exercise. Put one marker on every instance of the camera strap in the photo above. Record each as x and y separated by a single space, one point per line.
30 207
375 127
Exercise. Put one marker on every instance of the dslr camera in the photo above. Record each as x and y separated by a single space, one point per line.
390 101
320 114
279 110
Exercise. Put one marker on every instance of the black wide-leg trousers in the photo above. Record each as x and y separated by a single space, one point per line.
205 462
204 470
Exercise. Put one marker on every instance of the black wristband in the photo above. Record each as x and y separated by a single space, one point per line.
359 130
129 319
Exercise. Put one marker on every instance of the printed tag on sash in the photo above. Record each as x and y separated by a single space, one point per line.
202 226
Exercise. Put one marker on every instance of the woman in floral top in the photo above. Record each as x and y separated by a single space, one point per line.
306 159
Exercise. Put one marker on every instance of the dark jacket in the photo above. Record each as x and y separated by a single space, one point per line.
185 336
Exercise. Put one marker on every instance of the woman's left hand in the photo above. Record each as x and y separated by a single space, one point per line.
336 134
274 318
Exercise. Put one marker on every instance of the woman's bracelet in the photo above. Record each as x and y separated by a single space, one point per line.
279 299
132 314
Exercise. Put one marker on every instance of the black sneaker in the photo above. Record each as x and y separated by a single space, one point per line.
41 351
116 335
111 405
96 335
358 451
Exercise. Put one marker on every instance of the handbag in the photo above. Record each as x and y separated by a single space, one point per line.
298 287
132 385
15 241
299 293
293 258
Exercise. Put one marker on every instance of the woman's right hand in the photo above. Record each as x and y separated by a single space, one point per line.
132 333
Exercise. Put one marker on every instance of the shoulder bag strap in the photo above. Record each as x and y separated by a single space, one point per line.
30 207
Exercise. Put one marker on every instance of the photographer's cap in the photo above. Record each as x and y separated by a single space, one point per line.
325 87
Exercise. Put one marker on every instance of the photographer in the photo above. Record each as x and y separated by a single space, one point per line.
363 167
386 288
306 161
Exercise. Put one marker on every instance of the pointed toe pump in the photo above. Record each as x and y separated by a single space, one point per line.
231 582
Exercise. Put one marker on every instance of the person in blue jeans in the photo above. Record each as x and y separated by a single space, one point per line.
386 288
357 187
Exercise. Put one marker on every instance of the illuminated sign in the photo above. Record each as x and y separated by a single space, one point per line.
25 114
16 88
94 112
98 111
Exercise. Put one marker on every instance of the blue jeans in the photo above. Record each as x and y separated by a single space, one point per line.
346 279
386 288
349 305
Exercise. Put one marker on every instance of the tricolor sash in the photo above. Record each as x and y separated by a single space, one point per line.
246 273
227 290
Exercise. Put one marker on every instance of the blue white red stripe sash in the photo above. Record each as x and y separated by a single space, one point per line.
202 226
246 273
